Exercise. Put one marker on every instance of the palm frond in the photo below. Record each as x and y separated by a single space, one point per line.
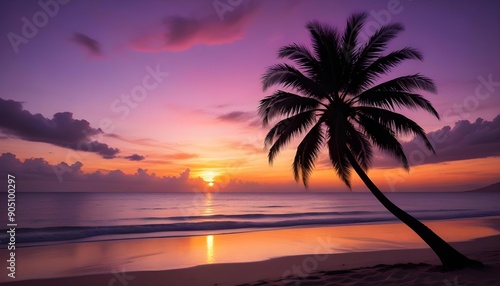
307 153
392 99
289 76
349 47
376 44
380 66
384 138
398 123
406 83
282 103
350 38
302 57
360 147
326 45
337 148
350 41
286 130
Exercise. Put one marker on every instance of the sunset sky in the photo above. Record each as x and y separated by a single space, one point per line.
174 87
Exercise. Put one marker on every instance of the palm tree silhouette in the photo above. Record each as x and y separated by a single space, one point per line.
333 99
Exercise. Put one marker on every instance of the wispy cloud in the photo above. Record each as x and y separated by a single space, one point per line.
239 116
249 148
178 33
141 141
62 130
251 118
88 44
181 156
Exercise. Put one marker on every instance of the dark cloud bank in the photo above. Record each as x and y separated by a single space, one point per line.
37 175
62 130
465 140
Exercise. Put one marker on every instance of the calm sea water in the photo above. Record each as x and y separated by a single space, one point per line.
51 218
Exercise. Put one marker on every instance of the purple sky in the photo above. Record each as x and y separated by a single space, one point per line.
200 66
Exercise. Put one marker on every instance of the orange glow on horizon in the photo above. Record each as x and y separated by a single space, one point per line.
429 177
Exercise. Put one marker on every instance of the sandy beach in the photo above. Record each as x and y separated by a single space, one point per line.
400 258
389 267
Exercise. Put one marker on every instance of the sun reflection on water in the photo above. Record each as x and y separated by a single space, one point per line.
208 208
210 249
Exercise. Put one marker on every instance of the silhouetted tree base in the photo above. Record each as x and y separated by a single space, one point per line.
472 264
450 258
460 263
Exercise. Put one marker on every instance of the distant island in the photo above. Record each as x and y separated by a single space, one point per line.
490 188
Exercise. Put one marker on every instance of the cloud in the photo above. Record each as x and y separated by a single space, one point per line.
181 156
90 45
33 168
140 142
40 176
180 33
250 118
135 157
253 147
62 130
236 116
465 140
184 176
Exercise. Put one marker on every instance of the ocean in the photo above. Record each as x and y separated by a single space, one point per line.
55 218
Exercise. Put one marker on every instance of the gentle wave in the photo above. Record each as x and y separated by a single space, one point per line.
260 216
28 235
256 216
67 233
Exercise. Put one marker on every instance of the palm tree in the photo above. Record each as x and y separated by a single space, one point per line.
333 97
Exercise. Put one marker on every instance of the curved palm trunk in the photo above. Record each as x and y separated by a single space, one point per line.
449 256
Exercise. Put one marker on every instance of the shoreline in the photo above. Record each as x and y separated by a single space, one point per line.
167 220
177 259
155 235
335 267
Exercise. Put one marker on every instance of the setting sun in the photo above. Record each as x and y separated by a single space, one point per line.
209 177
